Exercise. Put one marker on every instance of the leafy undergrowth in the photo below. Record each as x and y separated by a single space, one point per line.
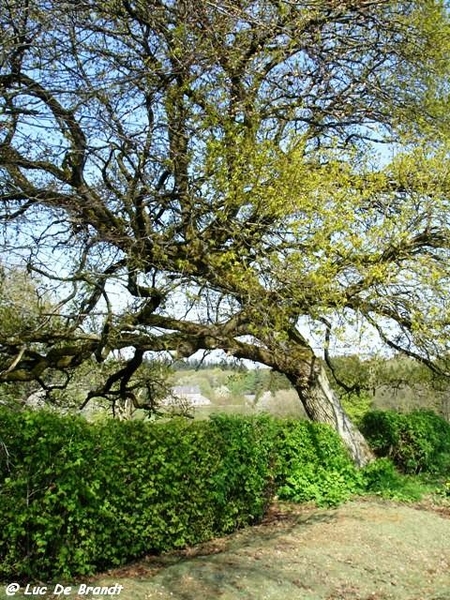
366 549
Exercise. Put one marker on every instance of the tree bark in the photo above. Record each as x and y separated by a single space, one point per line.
322 404
306 372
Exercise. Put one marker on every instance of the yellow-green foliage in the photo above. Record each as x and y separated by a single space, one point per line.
357 405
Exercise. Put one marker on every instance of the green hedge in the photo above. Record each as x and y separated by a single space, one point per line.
76 498
416 442
313 465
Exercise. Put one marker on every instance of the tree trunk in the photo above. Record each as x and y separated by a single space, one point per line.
322 404
306 372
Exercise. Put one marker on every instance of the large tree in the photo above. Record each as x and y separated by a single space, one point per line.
214 162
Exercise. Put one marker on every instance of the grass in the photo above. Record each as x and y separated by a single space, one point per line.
383 480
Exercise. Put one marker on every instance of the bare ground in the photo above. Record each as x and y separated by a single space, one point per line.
363 550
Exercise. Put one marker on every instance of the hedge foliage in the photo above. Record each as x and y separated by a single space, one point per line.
76 498
416 442
312 465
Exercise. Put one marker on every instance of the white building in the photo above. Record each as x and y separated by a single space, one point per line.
189 395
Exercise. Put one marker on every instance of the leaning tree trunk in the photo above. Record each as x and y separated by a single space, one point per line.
322 404
289 353
296 359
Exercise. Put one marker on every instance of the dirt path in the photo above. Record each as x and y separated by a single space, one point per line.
364 550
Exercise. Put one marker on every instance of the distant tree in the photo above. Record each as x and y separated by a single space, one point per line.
397 382
211 162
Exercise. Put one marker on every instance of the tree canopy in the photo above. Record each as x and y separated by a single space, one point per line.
205 176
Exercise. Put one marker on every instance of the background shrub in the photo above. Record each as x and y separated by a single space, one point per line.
356 405
416 442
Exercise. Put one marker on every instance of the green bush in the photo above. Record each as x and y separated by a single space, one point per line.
47 481
80 497
380 476
383 479
416 442
357 405
244 485
445 491
313 465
